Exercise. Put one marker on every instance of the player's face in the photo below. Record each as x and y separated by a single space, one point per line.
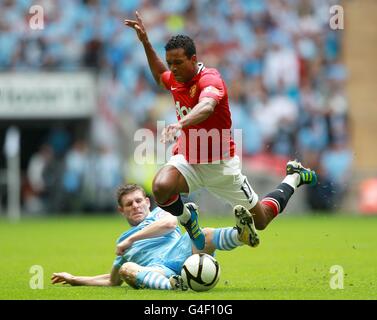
183 68
135 207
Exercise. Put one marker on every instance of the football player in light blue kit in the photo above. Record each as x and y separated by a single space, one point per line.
152 252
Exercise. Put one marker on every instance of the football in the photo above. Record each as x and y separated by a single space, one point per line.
200 272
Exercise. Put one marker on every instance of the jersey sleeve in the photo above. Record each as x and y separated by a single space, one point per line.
119 261
211 86
165 78
158 214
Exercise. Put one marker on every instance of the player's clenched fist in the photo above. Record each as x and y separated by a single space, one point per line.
123 246
169 134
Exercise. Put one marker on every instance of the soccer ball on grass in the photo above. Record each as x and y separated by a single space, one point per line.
200 272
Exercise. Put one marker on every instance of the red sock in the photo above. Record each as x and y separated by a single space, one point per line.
273 204
278 199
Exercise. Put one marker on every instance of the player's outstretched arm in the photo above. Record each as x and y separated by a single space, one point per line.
105 280
155 63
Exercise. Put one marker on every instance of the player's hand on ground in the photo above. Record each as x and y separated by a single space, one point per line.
169 134
62 277
123 246
138 26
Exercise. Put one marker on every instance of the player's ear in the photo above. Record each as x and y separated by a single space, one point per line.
148 201
194 59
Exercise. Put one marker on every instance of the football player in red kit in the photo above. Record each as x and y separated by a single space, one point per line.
204 153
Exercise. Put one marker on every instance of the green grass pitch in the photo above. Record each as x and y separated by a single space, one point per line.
293 260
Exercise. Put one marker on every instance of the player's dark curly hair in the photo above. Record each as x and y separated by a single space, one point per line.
126 189
182 41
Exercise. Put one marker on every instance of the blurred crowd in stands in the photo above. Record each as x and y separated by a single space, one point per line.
81 180
280 59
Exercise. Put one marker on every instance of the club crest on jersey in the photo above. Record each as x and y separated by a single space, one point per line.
193 91
181 111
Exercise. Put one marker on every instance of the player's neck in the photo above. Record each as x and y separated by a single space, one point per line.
198 68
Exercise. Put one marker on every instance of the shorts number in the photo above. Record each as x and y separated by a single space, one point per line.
246 188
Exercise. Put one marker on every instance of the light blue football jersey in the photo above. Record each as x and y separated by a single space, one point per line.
152 250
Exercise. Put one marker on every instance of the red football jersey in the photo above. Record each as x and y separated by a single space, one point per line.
210 140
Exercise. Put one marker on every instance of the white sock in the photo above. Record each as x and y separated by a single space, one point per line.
293 180
185 216
155 280
226 238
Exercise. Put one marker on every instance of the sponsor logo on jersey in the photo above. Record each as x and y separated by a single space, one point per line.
181 111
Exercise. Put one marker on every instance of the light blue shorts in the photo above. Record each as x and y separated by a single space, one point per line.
178 253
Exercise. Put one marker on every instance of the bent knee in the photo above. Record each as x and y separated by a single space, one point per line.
128 273
162 190
128 268
207 232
